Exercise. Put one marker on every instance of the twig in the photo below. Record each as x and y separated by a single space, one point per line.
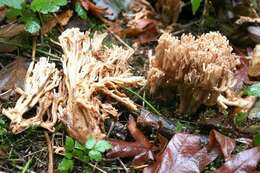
95 167
125 168
50 152
33 48
119 39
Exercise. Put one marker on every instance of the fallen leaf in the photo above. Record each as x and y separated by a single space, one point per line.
11 30
245 161
12 75
254 68
222 143
89 6
169 10
185 153
140 149
241 75
113 7
61 19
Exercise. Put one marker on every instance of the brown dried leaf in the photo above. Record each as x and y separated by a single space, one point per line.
254 68
241 75
89 6
186 154
61 19
140 149
12 75
11 30
169 10
221 143
245 161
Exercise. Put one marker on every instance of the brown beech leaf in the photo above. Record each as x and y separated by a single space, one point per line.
254 68
244 162
221 143
169 10
89 6
241 74
185 153
141 149
12 75
61 19
11 30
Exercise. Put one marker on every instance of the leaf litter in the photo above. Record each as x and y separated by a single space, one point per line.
87 88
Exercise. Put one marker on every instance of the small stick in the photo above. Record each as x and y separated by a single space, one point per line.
50 151
33 48
125 168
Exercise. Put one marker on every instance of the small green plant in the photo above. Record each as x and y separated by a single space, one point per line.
253 90
3 130
257 140
195 4
91 151
28 13
240 119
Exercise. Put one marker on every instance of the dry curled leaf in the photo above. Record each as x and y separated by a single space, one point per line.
169 10
140 149
185 153
61 19
245 161
11 30
254 68
12 75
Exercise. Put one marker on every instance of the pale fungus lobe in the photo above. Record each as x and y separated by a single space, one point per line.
200 69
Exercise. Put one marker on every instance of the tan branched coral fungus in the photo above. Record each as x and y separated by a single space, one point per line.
40 80
92 74
200 69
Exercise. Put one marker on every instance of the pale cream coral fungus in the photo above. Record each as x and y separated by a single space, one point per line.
41 78
200 69
93 77
90 71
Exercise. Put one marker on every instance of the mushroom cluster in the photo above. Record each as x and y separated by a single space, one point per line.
200 69
82 94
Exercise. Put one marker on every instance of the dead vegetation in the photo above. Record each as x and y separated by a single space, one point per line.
70 101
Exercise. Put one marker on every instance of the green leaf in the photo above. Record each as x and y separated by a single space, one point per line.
32 26
195 5
68 155
13 12
82 13
253 90
32 23
69 143
66 165
45 6
90 143
12 3
79 146
257 140
95 155
102 146
240 119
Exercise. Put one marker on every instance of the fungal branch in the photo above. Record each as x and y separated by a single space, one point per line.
200 69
